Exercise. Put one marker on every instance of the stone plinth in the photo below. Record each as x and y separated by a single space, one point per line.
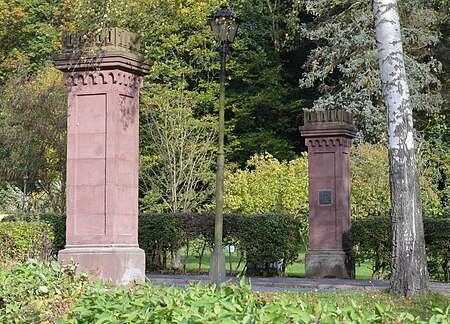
103 76
328 135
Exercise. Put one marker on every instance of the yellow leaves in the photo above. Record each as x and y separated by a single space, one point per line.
268 185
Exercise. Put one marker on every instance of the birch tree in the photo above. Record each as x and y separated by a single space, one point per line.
409 267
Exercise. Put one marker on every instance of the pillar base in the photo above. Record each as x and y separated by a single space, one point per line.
329 264
120 264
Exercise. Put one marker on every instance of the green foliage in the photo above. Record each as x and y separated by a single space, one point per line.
36 292
33 134
159 235
437 240
231 304
262 238
177 155
370 189
343 66
369 174
372 240
435 158
268 186
268 239
21 240
56 222
28 35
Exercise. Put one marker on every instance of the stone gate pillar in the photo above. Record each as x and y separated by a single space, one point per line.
103 83
328 135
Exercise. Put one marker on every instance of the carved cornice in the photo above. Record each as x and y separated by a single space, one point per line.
113 77
326 123
114 48
329 142
81 41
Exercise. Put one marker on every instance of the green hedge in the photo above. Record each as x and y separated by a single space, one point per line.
56 221
264 239
372 241
21 240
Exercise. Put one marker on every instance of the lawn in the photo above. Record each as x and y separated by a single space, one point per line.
296 270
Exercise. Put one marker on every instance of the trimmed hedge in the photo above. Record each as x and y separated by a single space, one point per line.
372 241
20 241
56 221
264 239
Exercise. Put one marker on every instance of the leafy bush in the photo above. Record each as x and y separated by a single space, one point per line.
144 303
21 240
263 238
159 235
36 292
370 190
372 240
56 221
437 243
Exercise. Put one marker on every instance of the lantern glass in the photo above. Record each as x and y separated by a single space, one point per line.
224 25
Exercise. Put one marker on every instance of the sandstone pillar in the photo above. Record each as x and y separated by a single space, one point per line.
328 135
103 76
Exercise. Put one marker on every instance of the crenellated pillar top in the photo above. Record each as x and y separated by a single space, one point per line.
326 123
112 48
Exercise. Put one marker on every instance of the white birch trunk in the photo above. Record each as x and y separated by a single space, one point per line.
409 268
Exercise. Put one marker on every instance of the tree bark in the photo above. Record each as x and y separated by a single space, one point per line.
409 267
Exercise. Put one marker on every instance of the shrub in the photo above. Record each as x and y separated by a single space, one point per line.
370 190
268 239
159 235
262 238
145 303
36 292
56 221
21 240
437 243
372 241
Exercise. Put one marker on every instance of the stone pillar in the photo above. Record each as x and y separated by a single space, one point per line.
103 82
328 135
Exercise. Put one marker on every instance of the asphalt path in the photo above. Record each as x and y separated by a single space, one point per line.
293 284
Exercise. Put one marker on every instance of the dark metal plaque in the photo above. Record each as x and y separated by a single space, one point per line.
325 198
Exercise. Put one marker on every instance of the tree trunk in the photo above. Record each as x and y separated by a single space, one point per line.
409 267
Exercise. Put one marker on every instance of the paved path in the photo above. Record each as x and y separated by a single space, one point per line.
301 284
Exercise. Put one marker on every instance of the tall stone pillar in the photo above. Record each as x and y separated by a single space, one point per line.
328 135
103 83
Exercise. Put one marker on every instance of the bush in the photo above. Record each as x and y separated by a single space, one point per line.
36 292
268 239
437 243
262 238
21 240
56 221
145 303
372 241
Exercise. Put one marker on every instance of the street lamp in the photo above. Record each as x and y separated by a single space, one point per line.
224 24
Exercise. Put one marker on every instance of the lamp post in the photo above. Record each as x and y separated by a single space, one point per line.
224 25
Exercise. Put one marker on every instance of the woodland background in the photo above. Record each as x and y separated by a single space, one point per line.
289 56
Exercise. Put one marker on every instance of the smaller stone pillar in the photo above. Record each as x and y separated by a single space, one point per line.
328 135
103 76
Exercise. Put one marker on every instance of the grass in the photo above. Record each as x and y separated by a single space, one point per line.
421 306
296 270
